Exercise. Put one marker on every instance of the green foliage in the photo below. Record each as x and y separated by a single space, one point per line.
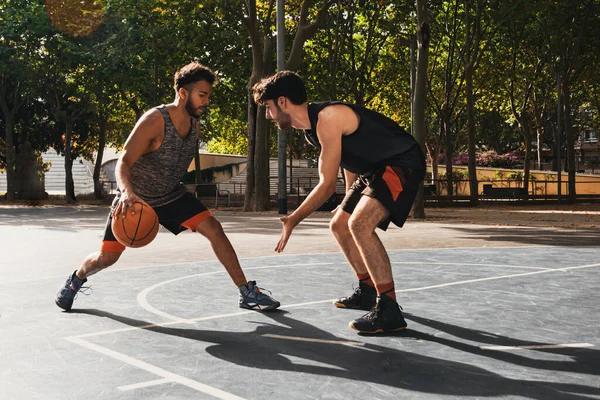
118 71
458 174
224 134
515 176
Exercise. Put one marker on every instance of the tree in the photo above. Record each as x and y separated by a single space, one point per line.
66 73
23 28
524 66
259 21
445 85
571 33
420 93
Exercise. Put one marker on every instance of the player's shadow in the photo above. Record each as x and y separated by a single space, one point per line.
270 346
568 359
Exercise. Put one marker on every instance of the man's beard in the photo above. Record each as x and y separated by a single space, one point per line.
194 112
283 120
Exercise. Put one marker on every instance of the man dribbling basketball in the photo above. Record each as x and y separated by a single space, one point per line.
385 167
155 157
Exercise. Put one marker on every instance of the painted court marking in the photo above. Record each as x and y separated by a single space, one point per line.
168 377
144 384
141 298
30 279
143 302
538 346
468 265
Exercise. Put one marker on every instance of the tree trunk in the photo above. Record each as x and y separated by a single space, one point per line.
448 154
435 154
69 184
420 94
98 189
526 131
252 108
570 140
261 162
10 156
473 185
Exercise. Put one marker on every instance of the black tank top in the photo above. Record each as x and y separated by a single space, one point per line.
377 142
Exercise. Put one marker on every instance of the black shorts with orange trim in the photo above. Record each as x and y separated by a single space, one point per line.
395 187
177 216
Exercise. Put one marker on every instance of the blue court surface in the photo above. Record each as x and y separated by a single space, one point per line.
497 323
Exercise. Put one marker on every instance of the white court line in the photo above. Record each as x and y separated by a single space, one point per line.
492 278
201 387
194 320
197 263
143 302
144 384
539 346
227 396
191 264
469 265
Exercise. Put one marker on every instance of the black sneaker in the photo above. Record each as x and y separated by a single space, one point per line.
363 298
384 317
66 295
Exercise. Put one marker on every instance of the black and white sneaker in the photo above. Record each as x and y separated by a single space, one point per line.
254 298
68 293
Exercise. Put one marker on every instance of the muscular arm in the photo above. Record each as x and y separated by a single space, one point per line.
330 137
139 142
333 122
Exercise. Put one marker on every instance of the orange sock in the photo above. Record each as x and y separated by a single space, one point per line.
388 289
366 279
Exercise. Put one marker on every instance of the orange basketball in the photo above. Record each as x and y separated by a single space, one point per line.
136 230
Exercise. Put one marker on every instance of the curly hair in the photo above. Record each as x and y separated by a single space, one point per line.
284 83
194 72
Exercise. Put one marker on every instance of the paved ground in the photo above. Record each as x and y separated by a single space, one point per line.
501 303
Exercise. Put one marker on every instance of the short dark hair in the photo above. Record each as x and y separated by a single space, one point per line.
284 83
194 72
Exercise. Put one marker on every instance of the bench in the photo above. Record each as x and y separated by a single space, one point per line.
504 192
429 189
209 190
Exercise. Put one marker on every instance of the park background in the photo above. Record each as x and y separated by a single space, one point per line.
502 91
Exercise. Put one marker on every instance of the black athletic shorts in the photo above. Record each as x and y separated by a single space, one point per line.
393 186
184 213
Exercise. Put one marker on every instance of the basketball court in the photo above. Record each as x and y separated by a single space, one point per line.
507 314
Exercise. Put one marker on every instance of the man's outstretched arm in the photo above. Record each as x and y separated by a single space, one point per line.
330 137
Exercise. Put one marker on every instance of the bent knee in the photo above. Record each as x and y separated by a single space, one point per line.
210 228
359 227
339 226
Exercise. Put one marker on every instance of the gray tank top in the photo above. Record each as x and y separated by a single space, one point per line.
156 177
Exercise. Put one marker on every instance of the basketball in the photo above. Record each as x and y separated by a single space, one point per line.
136 230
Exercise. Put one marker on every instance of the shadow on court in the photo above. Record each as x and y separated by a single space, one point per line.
582 237
583 360
378 364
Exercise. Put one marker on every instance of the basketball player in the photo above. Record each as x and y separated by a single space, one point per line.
384 167
155 157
